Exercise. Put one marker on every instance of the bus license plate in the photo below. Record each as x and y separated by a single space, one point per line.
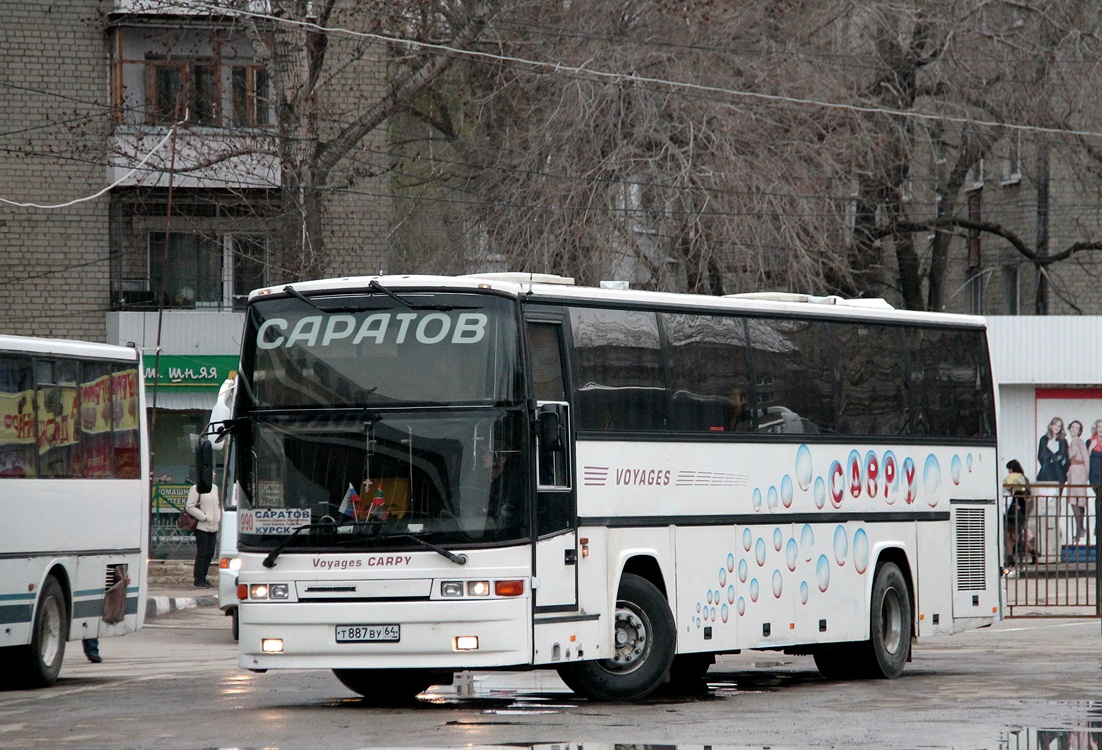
368 633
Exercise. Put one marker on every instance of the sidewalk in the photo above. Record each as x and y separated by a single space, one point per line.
169 588
162 598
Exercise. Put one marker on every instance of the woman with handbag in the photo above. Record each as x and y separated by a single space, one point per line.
205 508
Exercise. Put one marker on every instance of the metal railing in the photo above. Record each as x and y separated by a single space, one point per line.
1050 549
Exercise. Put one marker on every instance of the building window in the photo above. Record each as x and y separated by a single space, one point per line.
188 273
203 271
250 266
251 97
182 90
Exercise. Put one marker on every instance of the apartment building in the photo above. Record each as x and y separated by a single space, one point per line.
141 184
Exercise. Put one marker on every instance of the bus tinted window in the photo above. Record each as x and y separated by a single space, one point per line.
621 382
96 418
951 381
126 417
18 454
709 374
872 379
794 380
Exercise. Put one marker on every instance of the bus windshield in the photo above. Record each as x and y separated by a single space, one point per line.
376 418
365 350
454 477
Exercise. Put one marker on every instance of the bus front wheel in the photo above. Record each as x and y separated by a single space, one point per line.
40 661
389 686
643 648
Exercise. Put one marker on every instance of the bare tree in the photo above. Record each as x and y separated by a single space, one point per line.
726 147
312 52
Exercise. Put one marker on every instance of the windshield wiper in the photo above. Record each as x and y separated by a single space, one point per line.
270 560
374 284
459 559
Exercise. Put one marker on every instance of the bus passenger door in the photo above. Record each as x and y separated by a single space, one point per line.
556 553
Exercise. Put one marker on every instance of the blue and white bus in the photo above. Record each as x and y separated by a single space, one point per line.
511 471
74 499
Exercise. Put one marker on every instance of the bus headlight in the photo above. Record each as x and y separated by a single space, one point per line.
466 643
478 588
278 591
451 589
272 645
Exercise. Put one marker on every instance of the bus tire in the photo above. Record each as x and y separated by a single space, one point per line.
235 624
644 644
835 661
389 686
39 663
688 673
885 654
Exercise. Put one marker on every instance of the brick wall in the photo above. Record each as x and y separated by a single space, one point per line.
54 264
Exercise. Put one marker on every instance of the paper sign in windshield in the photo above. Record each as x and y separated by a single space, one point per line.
272 520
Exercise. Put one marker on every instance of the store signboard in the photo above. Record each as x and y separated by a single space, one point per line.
180 370
170 497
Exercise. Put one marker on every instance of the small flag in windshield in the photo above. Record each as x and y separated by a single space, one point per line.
351 503
378 505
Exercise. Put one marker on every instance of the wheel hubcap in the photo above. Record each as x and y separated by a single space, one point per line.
632 642
49 637
892 619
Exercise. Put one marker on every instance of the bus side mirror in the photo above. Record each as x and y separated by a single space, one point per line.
204 466
550 431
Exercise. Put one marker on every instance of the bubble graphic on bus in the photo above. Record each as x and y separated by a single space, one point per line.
742 570
807 541
786 491
709 596
741 605
712 614
731 594
872 475
791 553
723 576
910 481
754 589
778 539
698 608
822 572
837 483
931 479
747 539
759 552
820 493
860 551
803 467
841 545
730 563
954 469
891 477
723 613
756 499
778 584
969 460
803 592
854 463
772 498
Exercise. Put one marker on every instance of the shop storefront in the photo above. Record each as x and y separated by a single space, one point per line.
180 392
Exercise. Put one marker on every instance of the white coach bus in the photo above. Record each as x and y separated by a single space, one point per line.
510 471
74 500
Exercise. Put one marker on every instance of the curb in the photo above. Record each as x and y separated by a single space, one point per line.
155 606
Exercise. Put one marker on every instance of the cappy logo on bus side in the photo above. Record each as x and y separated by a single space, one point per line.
426 328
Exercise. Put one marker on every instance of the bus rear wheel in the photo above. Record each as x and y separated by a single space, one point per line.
39 663
643 649
885 654
389 686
